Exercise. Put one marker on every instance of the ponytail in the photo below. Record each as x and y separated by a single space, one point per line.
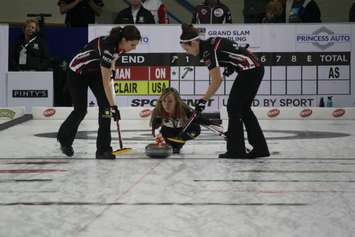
116 34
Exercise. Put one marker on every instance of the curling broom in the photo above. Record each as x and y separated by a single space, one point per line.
178 139
122 149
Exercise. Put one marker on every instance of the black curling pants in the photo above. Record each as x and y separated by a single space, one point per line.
78 85
240 99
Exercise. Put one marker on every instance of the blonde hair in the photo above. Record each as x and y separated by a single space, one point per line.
29 21
180 108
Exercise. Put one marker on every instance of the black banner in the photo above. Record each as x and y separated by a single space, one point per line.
266 58
29 93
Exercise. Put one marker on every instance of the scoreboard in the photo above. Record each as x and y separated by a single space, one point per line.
303 73
301 67
297 73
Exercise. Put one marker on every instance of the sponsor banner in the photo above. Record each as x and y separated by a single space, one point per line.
140 101
281 101
265 38
151 101
49 112
144 113
4 49
306 113
241 34
29 93
338 113
133 101
154 37
324 37
297 113
57 113
61 113
217 102
273 113
9 113
30 89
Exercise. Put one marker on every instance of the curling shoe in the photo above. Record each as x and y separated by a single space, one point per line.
229 155
176 150
257 154
106 155
67 150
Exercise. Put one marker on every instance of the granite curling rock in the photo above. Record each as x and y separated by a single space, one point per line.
158 150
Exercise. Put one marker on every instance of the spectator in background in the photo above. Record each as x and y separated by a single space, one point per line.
352 13
275 12
30 51
158 9
254 10
211 12
306 11
288 9
80 13
135 14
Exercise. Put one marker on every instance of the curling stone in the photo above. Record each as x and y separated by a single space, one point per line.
155 150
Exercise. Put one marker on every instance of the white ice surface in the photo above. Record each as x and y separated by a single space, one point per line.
306 188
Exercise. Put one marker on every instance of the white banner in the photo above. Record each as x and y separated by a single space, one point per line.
30 89
306 65
4 50
10 113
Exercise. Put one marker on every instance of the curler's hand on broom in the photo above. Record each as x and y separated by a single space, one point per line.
115 113
199 107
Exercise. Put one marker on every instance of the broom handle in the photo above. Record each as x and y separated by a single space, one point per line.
119 134
188 124
117 122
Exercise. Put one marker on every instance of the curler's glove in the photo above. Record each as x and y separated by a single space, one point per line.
159 139
156 123
115 113
228 71
200 105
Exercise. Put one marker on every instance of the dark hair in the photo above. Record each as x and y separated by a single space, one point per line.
129 32
189 32
217 1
